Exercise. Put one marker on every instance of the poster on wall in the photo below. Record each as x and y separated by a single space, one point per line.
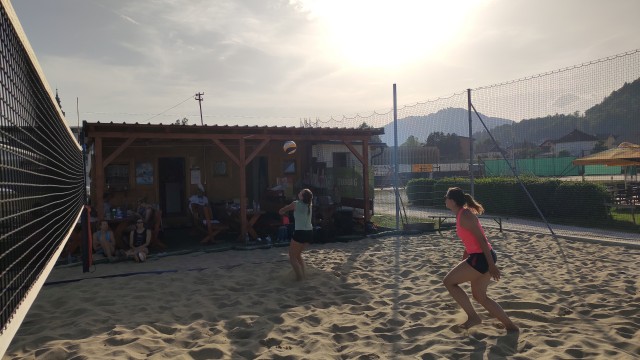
195 176
144 173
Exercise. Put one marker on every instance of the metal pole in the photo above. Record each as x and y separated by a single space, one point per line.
470 143
84 217
395 155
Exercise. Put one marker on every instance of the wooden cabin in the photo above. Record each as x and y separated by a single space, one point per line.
166 164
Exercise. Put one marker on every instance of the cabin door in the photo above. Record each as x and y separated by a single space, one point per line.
257 179
171 173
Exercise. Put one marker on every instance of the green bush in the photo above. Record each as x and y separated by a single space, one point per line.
420 191
576 201
580 199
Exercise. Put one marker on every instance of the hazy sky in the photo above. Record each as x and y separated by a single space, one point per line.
273 62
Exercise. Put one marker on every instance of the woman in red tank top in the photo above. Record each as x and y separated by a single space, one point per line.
479 261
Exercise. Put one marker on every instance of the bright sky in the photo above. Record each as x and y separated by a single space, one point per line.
274 62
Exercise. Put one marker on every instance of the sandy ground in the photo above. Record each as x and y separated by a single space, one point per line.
379 298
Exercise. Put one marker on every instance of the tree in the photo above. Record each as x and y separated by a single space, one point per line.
486 145
435 138
449 145
375 138
412 141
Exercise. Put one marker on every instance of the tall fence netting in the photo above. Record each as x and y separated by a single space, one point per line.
527 132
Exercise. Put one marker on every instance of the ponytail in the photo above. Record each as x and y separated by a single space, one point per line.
307 197
463 199
472 204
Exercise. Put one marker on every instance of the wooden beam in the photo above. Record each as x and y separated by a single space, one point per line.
243 192
364 160
256 151
203 136
227 151
118 151
365 181
354 151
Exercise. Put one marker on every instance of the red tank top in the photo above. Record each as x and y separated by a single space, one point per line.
470 243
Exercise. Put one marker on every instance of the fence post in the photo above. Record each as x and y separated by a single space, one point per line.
470 143
395 156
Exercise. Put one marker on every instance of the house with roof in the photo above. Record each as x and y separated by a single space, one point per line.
576 143
166 164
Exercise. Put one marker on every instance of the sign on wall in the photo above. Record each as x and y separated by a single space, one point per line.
144 173
422 168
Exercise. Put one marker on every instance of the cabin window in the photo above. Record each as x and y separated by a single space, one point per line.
117 177
339 159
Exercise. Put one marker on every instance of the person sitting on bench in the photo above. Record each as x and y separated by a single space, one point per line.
201 211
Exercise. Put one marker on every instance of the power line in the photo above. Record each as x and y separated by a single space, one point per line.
184 101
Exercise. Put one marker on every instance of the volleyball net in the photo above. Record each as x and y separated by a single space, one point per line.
41 177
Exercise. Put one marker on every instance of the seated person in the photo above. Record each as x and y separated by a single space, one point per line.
199 206
139 241
199 201
145 211
105 241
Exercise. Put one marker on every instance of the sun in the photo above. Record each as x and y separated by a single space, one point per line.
383 34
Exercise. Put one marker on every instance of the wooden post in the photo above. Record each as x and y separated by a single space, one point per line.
243 191
99 179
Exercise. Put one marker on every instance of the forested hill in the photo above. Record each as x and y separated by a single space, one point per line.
447 121
618 114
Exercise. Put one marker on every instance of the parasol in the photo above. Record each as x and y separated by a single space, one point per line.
626 154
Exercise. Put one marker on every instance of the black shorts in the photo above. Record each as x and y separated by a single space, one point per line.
479 262
303 236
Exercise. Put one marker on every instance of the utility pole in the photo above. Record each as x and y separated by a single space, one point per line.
199 98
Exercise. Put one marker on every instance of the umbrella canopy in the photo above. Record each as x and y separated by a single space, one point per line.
626 154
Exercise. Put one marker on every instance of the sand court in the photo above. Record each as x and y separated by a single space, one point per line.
370 299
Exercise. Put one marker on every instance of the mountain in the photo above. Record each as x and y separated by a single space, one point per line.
447 121
618 114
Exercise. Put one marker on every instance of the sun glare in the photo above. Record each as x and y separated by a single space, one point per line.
383 34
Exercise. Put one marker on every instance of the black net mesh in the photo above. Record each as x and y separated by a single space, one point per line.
41 173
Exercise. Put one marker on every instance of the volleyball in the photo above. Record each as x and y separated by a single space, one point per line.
289 147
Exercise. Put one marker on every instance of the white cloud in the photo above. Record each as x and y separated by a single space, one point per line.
305 58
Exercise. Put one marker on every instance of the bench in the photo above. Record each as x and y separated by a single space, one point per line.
357 203
206 225
633 207
443 218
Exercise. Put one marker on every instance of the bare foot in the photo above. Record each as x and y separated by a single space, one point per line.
471 322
